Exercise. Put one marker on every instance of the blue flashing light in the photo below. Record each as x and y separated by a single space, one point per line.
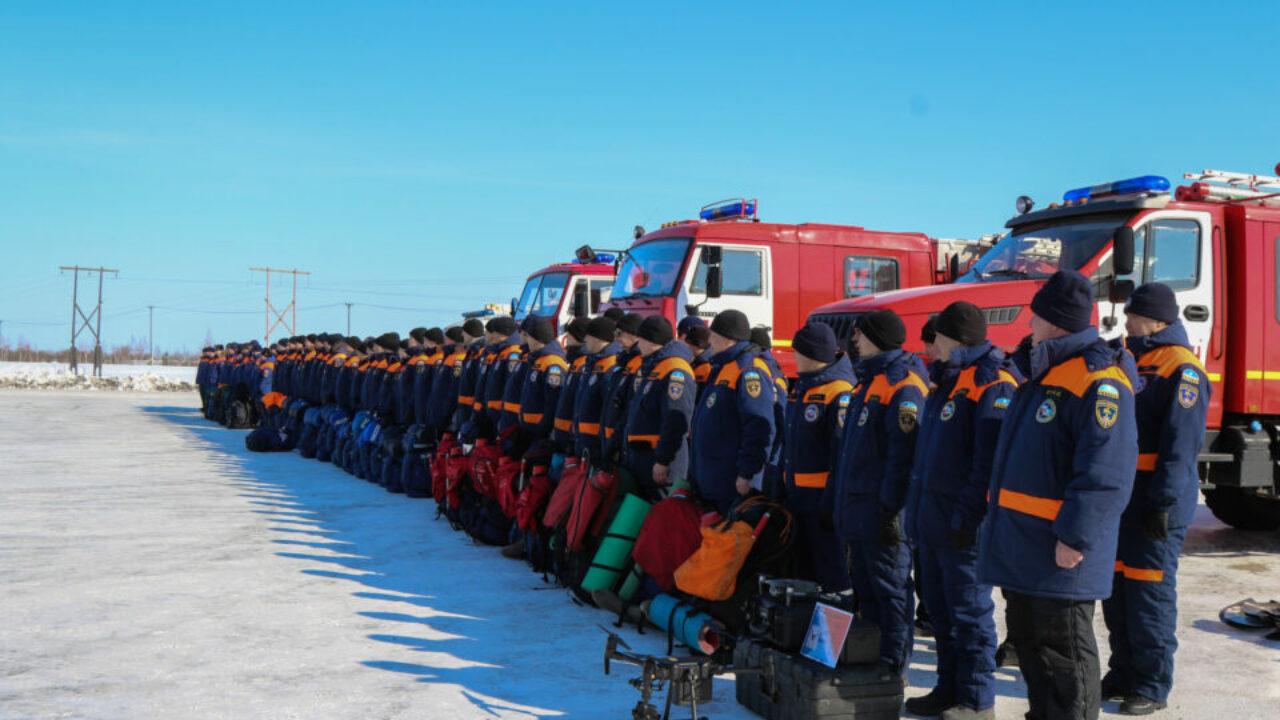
605 258
728 209
1146 183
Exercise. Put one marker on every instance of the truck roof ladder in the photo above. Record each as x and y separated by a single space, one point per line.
1231 187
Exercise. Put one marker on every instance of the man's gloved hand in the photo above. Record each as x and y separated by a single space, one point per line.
1156 525
890 531
961 538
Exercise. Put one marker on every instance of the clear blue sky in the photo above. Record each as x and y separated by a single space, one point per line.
421 159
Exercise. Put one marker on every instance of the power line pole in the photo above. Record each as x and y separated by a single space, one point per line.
91 322
291 308
348 318
151 345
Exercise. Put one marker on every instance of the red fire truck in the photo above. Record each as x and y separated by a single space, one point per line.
563 291
1215 241
773 272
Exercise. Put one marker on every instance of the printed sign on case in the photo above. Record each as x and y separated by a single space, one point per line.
827 631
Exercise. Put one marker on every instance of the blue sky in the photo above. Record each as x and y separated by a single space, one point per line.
421 159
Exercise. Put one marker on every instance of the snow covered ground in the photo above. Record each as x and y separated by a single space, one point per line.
137 378
151 567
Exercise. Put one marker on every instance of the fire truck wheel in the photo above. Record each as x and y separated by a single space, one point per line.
1243 510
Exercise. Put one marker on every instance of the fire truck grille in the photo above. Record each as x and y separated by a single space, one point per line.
841 324
1002 315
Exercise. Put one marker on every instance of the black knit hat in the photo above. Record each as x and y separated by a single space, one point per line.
577 328
929 333
656 329
1154 300
435 335
963 322
630 323
540 329
760 338
357 344
699 336
389 341
473 327
418 333
1065 301
501 326
816 341
602 328
615 313
688 322
732 324
454 334
883 328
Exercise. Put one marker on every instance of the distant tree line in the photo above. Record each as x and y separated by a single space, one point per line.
132 353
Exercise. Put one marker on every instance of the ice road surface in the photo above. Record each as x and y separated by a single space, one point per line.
151 567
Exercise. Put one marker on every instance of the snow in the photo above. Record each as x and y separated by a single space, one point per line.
154 568
135 378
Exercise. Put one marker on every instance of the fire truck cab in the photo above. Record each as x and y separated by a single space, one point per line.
1215 242
564 291
773 272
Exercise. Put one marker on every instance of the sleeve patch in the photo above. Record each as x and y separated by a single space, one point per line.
675 388
1188 394
1107 390
1190 376
1106 412
1001 403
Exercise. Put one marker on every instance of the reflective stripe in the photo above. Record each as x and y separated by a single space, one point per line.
1046 508
564 424
811 480
1140 574
589 428
494 404
651 440
531 418
608 432
466 399
1147 461
511 407
1261 375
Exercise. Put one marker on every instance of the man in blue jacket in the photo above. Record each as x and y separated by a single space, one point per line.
603 352
872 476
545 372
815 413
733 423
973 386
1171 407
1060 479
656 449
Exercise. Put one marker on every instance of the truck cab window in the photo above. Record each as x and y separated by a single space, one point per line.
866 274
1173 253
742 273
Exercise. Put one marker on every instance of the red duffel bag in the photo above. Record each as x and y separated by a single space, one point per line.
669 536
590 509
484 467
506 481
572 478
533 497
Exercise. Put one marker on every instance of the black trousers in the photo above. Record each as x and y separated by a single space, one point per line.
1058 655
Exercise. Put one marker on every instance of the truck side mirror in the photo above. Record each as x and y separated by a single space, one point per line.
1122 251
953 267
715 285
711 255
514 302
1120 291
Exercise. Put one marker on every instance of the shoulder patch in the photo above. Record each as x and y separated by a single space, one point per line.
554 376
1001 403
1189 375
675 388
753 384
907 414
1106 412
1188 394
677 376
1107 390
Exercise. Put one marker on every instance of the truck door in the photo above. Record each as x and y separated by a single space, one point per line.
747 279
1173 247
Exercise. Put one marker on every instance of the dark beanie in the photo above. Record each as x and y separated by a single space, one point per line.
884 329
732 324
816 341
963 322
929 333
389 341
418 333
615 313
699 336
656 329
435 335
577 328
501 326
1065 301
630 323
454 334
760 338
1154 300
602 328
354 342
689 322
473 327
540 329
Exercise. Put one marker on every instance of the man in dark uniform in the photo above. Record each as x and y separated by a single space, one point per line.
618 391
656 449
474 344
1060 479
545 373
589 401
1171 407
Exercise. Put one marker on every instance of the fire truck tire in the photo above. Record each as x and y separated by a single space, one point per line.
1243 510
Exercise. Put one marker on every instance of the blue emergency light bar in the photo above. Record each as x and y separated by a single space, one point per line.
1146 183
477 314
599 259
728 209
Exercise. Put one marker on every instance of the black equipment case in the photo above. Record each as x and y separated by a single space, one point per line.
782 686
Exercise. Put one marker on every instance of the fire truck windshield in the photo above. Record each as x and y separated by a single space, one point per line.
1037 251
651 269
541 295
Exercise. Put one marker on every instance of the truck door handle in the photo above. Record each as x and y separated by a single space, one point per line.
1196 313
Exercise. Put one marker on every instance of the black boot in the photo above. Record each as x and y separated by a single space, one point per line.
1138 705
930 705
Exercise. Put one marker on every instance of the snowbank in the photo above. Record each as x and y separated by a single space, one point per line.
128 378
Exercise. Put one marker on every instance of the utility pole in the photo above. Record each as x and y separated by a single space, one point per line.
91 322
291 308
151 345
348 318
